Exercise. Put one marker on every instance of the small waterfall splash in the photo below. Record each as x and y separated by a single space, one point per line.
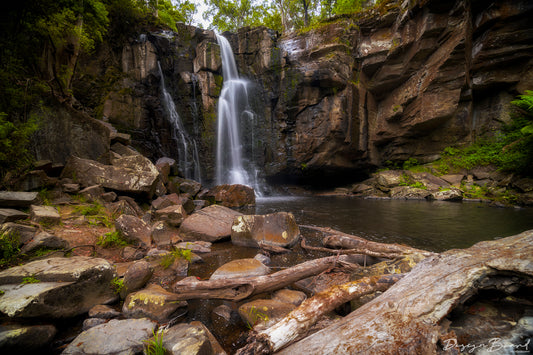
188 158
234 110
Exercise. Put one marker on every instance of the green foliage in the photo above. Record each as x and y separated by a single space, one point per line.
406 180
111 239
96 213
30 280
117 284
9 247
410 163
154 346
255 316
15 138
176 253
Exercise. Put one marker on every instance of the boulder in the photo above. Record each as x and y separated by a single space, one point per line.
277 229
129 253
71 188
44 214
11 215
66 287
187 186
91 323
153 302
133 229
173 200
408 193
164 235
136 276
261 314
197 247
240 268
187 339
125 205
289 296
232 195
453 179
108 196
18 199
430 181
172 215
524 184
44 240
130 174
385 180
23 232
17 339
92 193
114 337
452 194
35 180
209 224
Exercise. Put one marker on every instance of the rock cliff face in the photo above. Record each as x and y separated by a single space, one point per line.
402 81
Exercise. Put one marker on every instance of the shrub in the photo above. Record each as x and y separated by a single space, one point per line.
111 239
168 259
9 247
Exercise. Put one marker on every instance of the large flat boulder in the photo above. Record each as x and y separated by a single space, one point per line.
277 229
208 224
240 268
123 337
153 302
18 198
130 174
11 215
64 287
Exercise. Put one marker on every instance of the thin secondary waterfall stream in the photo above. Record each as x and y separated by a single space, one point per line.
232 166
188 159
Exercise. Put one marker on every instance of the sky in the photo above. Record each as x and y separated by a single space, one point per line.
198 20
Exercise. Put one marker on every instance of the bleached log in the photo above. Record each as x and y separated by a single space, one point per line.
243 287
408 317
297 322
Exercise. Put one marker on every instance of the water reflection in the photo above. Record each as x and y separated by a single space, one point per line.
435 226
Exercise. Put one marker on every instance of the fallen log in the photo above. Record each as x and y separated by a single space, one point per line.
306 315
368 258
339 239
408 318
243 287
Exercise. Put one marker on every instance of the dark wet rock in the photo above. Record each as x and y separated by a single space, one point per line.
44 240
452 194
35 180
277 229
11 215
174 199
66 287
114 337
240 268
136 276
289 296
209 224
188 186
172 215
133 229
524 184
103 311
123 150
124 207
430 181
263 259
232 195
164 235
18 198
155 303
44 214
17 339
23 232
261 314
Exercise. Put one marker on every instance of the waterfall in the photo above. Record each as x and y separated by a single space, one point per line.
188 158
232 166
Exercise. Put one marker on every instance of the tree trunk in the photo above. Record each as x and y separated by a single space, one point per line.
307 314
338 239
405 319
243 287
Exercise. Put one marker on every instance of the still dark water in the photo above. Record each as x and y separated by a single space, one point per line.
435 226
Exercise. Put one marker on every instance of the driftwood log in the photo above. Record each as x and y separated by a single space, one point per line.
337 239
297 322
409 317
243 287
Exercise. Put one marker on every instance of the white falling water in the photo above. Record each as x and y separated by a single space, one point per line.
188 159
233 106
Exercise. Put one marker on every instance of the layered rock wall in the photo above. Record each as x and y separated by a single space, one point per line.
402 81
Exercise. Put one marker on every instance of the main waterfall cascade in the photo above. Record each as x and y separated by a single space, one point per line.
233 166
188 159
